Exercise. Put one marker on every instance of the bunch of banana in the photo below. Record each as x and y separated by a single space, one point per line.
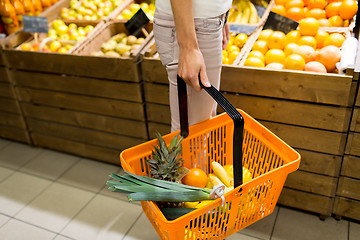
262 3
243 12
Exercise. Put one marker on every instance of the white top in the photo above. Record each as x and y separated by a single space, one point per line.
201 8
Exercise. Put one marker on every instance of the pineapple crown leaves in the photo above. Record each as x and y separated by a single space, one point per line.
165 162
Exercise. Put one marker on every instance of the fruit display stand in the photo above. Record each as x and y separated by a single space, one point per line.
347 200
94 112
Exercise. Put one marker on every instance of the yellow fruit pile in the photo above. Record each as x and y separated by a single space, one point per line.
233 48
148 8
332 13
307 48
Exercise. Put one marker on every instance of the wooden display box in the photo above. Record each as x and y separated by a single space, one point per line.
12 123
91 117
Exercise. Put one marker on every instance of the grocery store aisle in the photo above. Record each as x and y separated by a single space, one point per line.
51 195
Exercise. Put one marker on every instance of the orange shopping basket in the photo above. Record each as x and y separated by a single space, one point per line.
268 158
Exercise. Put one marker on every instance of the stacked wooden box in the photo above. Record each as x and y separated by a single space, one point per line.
347 200
12 123
85 105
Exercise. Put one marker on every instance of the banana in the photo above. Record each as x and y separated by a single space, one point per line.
253 14
245 12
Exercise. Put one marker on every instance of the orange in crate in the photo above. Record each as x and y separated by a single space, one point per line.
268 158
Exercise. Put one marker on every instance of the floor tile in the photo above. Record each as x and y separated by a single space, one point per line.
103 218
50 164
18 190
4 173
3 219
147 231
10 231
239 236
88 174
60 237
262 228
3 143
354 231
55 207
295 225
15 155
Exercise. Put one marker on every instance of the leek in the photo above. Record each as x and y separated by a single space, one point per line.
142 188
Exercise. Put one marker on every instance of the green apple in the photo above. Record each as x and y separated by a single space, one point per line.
62 50
131 40
64 37
57 23
134 8
73 26
26 47
81 31
89 28
127 14
68 46
62 29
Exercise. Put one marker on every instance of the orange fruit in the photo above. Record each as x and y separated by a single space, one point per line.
324 22
280 2
320 37
329 56
290 48
316 4
348 9
294 62
265 34
294 3
294 13
279 9
308 26
332 9
275 65
260 45
304 11
307 52
257 54
315 66
276 40
274 55
336 21
316 13
292 37
195 177
335 39
254 62
307 40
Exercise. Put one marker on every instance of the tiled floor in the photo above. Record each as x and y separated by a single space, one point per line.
51 195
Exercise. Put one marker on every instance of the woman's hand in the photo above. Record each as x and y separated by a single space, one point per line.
226 35
191 64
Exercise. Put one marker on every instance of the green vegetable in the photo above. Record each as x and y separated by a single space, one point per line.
142 188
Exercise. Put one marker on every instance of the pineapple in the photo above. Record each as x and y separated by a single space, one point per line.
166 163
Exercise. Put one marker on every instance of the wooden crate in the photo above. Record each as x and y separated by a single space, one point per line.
101 115
12 123
345 207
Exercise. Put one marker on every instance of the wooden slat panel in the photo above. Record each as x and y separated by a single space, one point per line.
320 163
82 135
108 124
306 201
7 90
351 167
308 138
9 105
158 127
319 88
296 113
87 86
158 113
12 120
4 75
357 103
313 183
153 71
349 188
80 149
353 144
75 65
156 93
355 122
344 207
16 134
110 107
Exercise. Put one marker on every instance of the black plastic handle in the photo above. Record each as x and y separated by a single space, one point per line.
230 110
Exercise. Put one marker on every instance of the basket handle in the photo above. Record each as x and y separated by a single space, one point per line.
229 109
